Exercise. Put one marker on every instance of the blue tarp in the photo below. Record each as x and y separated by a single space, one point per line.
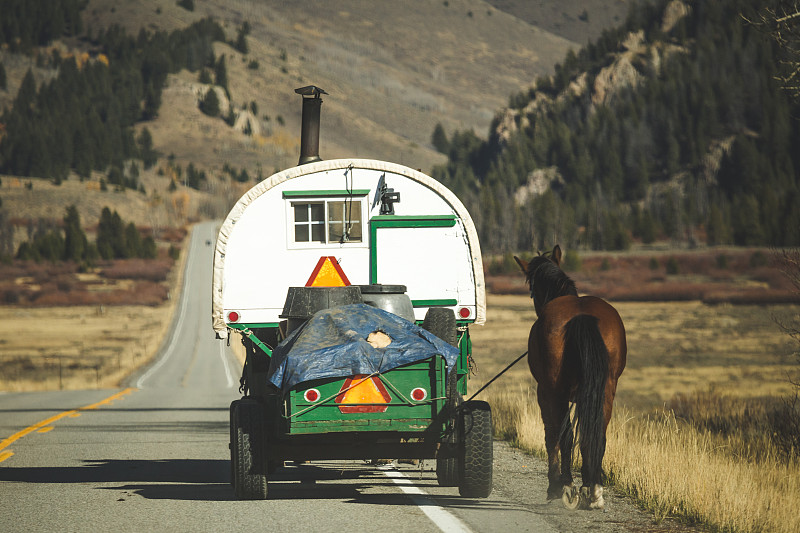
332 344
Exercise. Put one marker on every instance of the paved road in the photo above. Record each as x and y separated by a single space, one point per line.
154 457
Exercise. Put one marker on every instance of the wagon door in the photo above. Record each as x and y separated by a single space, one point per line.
429 255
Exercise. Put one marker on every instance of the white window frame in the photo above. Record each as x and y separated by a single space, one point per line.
290 222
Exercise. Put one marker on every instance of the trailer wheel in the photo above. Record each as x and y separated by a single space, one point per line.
476 450
446 456
442 323
248 450
232 442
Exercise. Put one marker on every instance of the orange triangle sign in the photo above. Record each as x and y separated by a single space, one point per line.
327 273
366 391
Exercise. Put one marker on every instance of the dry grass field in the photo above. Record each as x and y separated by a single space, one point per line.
85 346
687 363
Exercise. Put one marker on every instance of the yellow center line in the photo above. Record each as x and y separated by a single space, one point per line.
5 443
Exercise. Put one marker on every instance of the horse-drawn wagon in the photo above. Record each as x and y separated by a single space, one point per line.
353 284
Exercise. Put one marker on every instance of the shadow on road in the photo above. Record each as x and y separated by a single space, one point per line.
209 480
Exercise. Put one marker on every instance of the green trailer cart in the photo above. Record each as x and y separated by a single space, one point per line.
353 284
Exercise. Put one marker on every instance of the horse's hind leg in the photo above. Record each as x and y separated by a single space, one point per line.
559 475
569 493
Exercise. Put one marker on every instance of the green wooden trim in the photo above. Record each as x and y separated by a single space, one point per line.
322 194
240 327
435 303
407 218
245 330
395 221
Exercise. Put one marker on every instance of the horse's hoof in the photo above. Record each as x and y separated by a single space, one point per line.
570 498
597 501
591 498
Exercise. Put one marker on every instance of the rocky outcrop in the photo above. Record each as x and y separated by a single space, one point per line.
634 62
537 184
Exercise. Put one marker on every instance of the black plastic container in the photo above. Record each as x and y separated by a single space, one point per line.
302 302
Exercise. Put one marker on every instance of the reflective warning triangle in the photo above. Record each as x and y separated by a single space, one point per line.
327 273
366 391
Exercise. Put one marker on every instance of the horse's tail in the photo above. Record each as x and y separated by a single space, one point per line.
582 341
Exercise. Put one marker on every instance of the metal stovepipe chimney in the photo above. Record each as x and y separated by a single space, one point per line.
309 134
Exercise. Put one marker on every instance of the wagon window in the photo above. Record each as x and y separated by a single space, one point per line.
327 221
344 216
309 222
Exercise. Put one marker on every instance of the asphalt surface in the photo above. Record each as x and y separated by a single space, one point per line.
154 456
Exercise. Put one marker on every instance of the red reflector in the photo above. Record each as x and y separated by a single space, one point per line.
464 312
233 316
311 395
419 394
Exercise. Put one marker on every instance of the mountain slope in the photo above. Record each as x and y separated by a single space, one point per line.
392 71
670 127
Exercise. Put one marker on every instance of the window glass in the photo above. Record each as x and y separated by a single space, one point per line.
309 221
301 233
344 216
301 213
314 221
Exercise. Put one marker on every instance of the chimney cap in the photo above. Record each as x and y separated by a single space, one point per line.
310 90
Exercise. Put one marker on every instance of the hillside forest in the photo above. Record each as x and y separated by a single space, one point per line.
672 126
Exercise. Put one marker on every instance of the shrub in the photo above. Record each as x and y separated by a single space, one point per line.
672 266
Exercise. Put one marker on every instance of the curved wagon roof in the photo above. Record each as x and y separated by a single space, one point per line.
244 237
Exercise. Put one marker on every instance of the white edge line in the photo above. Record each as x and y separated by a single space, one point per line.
227 364
443 519
184 297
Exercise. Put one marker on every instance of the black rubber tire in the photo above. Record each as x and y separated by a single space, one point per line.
447 455
442 323
248 451
232 442
447 462
476 450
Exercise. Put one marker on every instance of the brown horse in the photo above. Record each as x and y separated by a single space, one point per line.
576 352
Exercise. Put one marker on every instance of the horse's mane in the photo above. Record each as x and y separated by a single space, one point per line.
547 281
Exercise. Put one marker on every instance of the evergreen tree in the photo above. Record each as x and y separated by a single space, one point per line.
75 242
221 74
241 38
210 103
439 139
146 152
133 241
3 81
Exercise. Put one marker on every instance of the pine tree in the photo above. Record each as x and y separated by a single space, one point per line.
439 139
210 103
75 242
133 241
241 38
221 74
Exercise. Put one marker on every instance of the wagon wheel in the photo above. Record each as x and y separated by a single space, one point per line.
475 450
442 323
232 441
446 457
248 450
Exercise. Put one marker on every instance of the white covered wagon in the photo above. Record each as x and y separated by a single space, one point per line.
353 283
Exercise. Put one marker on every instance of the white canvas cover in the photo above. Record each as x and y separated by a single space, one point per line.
247 201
